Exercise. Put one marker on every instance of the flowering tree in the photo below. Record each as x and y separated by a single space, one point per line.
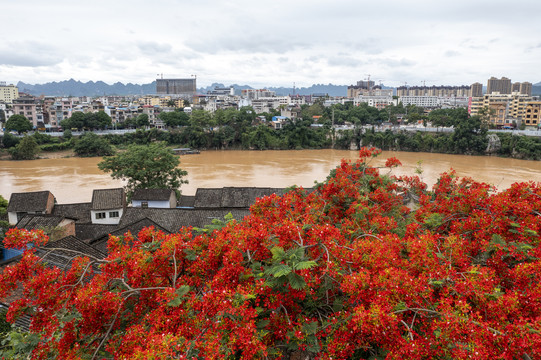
343 272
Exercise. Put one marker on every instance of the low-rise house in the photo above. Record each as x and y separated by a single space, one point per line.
108 206
154 198
56 227
21 204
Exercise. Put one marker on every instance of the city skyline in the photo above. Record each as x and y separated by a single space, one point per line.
271 43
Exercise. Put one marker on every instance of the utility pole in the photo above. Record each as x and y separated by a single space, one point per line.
333 129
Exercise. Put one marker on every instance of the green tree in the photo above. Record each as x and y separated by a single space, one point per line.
98 120
76 121
3 208
18 123
148 166
9 140
26 149
91 144
142 120
470 136
3 223
67 135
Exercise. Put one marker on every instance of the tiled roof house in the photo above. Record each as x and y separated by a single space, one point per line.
21 204
108 206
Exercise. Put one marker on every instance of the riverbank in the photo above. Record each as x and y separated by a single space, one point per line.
4 155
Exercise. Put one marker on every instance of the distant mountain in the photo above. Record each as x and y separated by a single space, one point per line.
536 89
77 88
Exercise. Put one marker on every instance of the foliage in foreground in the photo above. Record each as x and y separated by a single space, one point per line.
343 272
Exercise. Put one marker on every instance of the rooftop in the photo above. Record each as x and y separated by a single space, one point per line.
29 201
152 194
107 199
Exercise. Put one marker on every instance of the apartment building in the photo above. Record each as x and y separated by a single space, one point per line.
502 108
28 107
8 93
476 89
438 91
253 94
262 105
502 86
532 114
422 101
379 102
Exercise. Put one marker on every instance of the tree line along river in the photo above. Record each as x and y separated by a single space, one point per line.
72 179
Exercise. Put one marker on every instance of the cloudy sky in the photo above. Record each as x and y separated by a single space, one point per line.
271 42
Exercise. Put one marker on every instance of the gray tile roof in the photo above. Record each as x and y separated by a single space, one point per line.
71 247
173 219
108 199
28 201
186 201
152 194
87 232
208 197
44 222
80 212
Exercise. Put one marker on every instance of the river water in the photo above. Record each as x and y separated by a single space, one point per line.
73 179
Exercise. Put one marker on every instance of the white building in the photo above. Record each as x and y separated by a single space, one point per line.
422 101
378 102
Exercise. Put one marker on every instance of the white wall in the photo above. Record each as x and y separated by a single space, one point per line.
152 204
107 219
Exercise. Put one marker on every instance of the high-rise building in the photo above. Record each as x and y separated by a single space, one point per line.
502 86
184 88
476 89
441 91
526 88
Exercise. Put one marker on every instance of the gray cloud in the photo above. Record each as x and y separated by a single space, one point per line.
154 48
452 53
247 43
30 54
347 61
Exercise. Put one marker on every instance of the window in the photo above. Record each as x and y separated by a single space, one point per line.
100 215
144 204
113 214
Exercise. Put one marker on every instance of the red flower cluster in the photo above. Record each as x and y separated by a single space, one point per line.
344 272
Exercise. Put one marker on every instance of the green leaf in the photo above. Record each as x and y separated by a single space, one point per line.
296 281
190 254
262 324
179 298
309 328
278 253
278 270
304 265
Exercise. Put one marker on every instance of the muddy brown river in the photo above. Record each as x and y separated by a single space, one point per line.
73 179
